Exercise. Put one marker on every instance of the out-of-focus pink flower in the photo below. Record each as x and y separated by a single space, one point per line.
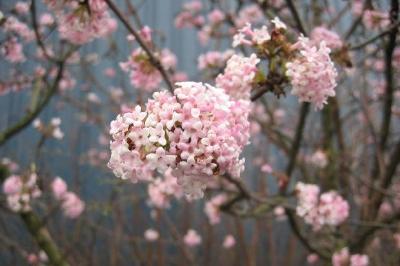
312 259
151 235
229 242
357 7
109 72
192 238
72 205
396 238
212 208
266 168
46 19
214 59
374 19
359 260
341 258
12 50
216 16
22 8
331 38
319 159
59 188
13 25
12 185
249 14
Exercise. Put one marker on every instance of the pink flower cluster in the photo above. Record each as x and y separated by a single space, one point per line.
214 59
162 189
199 132
212 208
249 14
71 204
329 208
374 19
20 190
312 73
12 51
343 258
143 74
238 76
13 25
83 22
331 38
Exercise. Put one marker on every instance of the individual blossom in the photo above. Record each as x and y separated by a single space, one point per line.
229 242
319 159
46 19
238 76
278 23
331 38
59 188
312 258
280 213
199 132
212 208
312 73
192 238
151 235
20 190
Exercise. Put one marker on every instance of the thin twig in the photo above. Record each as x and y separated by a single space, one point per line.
153 59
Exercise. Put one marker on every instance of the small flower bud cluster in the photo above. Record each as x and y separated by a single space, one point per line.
329 208
20 190
343 258
71 204
51 130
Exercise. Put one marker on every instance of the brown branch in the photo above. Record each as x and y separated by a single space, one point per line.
153 59
32 114
296 17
